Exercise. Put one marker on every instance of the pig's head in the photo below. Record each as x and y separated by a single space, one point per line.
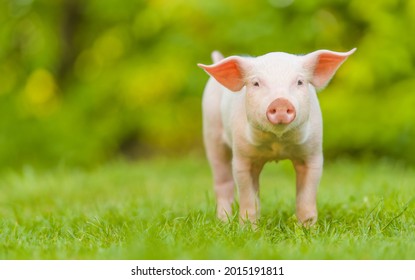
278 85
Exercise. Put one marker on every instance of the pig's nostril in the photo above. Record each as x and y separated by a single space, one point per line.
273 111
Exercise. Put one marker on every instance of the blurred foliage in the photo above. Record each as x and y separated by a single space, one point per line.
82 82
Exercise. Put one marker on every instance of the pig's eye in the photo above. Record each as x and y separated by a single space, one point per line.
300 82
255 84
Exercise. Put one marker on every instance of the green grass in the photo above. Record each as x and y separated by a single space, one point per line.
164 209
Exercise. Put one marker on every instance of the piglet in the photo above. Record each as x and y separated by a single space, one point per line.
261 109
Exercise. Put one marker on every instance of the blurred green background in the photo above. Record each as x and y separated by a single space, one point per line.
84 82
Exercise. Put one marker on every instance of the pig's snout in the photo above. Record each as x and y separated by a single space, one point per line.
281 111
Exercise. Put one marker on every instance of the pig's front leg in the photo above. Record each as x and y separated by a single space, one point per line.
246 174
308 178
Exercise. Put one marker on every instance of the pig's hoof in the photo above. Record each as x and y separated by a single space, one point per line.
246 223
308 221
224 216
249 221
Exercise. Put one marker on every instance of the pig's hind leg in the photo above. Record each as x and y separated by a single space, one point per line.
219 156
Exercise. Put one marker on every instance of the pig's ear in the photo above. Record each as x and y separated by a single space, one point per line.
323 64
229 72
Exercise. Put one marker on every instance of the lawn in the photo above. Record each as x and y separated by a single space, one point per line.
164 209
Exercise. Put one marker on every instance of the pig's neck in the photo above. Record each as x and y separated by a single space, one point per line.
296 135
